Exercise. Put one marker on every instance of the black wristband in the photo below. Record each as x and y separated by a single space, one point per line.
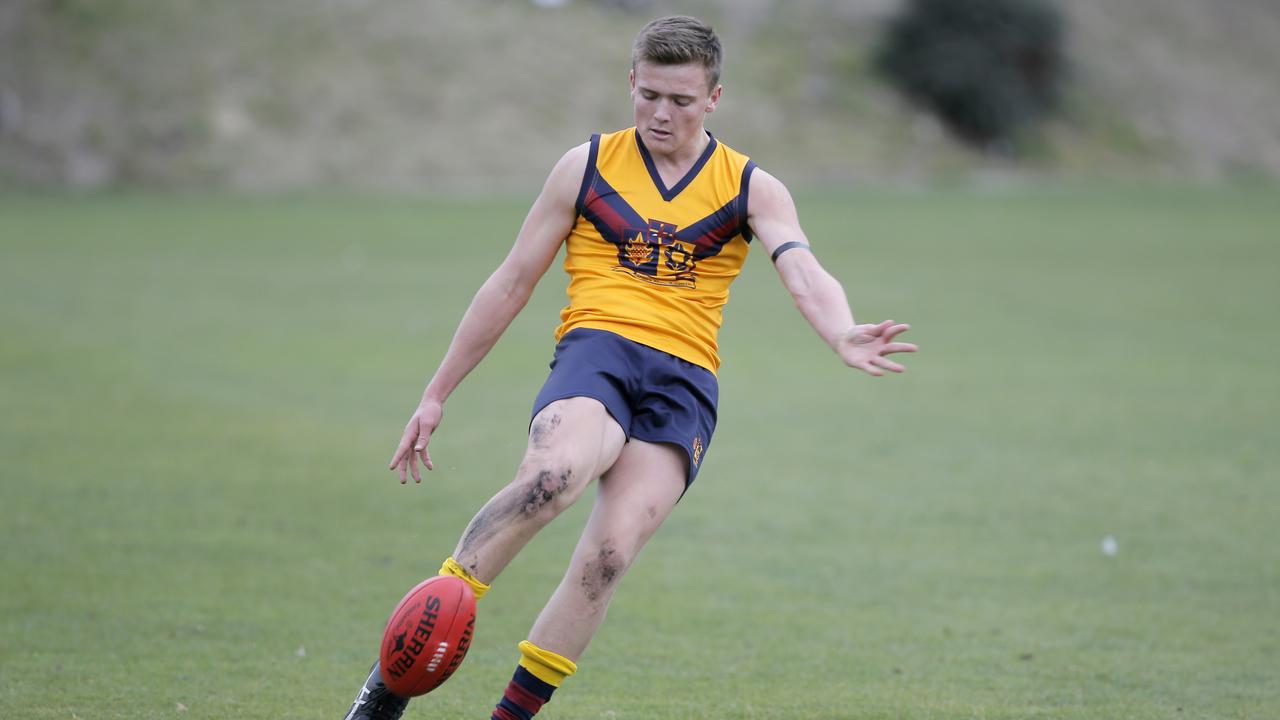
788 246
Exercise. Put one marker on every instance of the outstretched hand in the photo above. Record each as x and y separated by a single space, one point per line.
413 444
866 346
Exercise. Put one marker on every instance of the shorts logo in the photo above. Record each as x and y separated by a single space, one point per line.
697 450
654 255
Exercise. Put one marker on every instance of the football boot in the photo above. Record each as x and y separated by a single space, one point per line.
375 701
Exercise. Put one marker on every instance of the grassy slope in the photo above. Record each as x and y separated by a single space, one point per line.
198 396
441 94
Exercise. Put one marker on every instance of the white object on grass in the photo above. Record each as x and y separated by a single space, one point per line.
1110 546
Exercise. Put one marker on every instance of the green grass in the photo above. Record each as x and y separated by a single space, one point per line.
199 397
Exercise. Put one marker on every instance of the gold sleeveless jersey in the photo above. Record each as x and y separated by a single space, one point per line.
654 264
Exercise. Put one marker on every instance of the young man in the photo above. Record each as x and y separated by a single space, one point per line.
657 219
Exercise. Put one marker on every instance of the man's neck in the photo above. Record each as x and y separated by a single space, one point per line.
684 158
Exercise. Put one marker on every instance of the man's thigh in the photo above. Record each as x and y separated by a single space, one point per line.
577 433
639 491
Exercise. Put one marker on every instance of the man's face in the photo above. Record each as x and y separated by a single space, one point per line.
670 102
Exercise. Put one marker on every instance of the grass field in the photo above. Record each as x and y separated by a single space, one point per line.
200 395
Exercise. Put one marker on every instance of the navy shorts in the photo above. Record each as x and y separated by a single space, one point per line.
655 396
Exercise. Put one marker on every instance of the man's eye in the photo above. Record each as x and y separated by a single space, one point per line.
683 103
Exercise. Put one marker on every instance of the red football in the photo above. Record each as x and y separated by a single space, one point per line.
428 635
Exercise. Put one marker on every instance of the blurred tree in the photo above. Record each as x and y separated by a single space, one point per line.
986 68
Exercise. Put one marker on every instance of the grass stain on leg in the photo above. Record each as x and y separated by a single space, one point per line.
599 574
544 489
543 428
492 517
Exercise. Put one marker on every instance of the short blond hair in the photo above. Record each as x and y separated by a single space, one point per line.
678 40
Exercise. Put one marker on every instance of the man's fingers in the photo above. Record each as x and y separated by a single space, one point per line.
864 334
876 340
408 466
869 369
426 462
876 331
895 330
413 467
406 442
420 449
888 364
412 448
398 457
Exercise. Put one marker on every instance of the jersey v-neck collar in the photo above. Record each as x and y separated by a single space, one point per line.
670 194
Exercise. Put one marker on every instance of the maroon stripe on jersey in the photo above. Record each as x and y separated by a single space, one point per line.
711 233
609 213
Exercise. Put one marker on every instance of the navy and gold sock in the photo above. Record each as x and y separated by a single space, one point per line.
537 676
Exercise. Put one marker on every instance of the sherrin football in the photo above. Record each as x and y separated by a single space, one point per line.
428 635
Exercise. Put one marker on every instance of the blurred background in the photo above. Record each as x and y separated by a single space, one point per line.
412 95
236 238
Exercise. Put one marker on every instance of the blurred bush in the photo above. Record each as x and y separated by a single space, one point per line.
987 68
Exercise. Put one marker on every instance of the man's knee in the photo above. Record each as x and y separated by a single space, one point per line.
546 485
548 488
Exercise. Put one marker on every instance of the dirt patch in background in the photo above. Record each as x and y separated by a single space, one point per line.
474 96
1196 81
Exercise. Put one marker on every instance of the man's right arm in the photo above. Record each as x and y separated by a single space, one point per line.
496 304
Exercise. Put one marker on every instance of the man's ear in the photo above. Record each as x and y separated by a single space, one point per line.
715 98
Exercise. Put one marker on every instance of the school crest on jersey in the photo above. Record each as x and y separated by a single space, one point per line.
654 254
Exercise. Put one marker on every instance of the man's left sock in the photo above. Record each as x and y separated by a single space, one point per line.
537 676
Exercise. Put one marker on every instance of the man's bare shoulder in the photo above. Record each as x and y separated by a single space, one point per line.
578 152
769 202
566 177
765 187
574 161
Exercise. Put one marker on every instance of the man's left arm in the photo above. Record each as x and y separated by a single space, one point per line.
819 296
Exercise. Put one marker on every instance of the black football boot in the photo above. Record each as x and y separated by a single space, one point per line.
375 701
